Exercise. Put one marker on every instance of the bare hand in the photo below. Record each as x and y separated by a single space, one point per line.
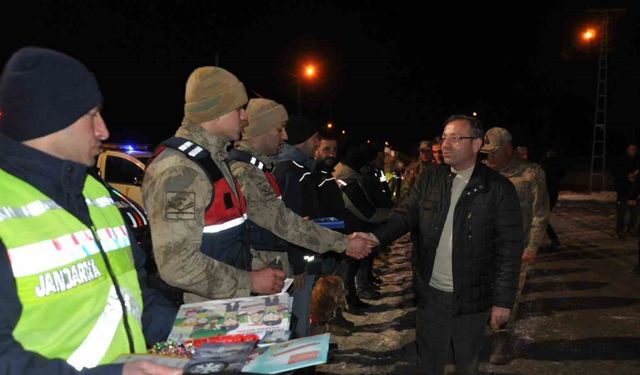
299 281
267 281
148 368
359 245
499 316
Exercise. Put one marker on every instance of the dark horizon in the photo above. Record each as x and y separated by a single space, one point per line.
387 72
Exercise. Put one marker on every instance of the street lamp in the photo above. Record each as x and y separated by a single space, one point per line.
309 72
599 144
589 34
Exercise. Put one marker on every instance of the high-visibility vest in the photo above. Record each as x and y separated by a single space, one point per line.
71 308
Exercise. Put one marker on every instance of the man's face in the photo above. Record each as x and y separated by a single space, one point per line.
436 153
82 140
274 139
230 126
523 152
425 153
310 146
502 156
327 148
461 154
632 151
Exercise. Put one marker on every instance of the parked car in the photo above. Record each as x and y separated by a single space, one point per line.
122 166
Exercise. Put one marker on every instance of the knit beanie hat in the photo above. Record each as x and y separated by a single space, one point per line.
212 92
264 115
43 91
299 129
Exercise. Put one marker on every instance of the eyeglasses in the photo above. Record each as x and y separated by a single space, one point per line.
424 151
455 139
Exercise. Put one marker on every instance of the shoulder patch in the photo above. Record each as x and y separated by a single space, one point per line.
180 205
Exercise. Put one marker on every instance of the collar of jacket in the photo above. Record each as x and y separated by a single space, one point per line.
477 182
49 174
511 167
244 146
292 153
214 144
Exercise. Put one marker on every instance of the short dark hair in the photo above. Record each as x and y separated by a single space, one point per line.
474 124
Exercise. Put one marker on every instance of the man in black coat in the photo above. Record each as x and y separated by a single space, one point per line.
469 249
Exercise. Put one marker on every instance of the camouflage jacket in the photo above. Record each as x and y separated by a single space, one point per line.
176 242
410 176
530 183
270 212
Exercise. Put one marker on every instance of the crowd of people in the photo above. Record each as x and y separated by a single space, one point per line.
231 200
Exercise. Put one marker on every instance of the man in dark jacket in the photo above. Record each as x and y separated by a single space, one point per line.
470 245
71 275
293 168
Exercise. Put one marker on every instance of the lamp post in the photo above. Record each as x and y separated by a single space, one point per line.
599 144
309 71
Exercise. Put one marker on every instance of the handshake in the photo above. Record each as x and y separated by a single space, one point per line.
360 244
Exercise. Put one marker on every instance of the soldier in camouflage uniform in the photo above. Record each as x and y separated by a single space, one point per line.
177 193
530 183
415 169
251 163
531 187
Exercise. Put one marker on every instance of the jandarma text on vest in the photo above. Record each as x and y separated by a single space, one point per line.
67 278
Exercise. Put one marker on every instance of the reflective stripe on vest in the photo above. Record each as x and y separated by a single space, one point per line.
62 281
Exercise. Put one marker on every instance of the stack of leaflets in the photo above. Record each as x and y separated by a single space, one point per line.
258 315
289 355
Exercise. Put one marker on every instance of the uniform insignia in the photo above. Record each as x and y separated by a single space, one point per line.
180 205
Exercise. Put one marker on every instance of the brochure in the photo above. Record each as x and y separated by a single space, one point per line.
290 355
233 316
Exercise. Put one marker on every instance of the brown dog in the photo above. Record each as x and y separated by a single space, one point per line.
327 297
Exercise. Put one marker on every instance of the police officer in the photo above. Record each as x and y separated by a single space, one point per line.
196 209
71 295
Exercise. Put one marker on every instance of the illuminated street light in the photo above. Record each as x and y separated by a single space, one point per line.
329 125
475 114
309 72
344 132
599 143
589 34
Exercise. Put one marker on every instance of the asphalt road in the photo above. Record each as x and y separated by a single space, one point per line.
579 312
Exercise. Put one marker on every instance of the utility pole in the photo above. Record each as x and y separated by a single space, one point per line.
599 144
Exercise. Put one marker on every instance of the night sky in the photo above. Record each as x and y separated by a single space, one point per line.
387 71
